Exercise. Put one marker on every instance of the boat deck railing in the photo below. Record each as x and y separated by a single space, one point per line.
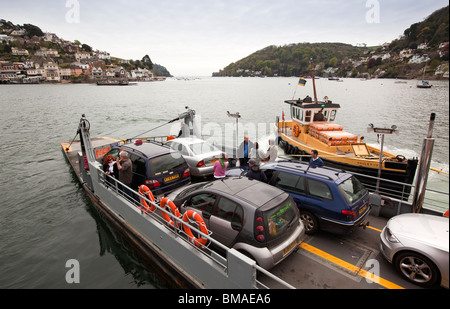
434 200
221 260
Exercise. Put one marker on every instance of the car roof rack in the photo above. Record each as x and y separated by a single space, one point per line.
308 169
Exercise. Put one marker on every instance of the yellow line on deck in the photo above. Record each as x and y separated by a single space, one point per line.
373 228
352 268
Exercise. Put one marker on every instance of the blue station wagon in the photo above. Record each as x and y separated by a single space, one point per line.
328 199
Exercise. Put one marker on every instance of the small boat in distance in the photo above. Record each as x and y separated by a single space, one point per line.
112 83
423 83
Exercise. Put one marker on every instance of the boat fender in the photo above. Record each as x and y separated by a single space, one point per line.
192 215
296 130
172 208
144 190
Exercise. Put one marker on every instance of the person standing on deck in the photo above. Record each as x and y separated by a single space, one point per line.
315 161
125 171
244 152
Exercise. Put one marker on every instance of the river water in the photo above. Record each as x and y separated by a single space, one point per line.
45 217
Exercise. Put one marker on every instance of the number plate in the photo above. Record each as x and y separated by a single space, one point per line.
362 209
170 178
289 248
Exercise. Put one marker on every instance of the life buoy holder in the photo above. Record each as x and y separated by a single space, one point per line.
145 191
296 130
192 215
173 208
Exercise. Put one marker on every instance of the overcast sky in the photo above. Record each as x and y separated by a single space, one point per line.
198 37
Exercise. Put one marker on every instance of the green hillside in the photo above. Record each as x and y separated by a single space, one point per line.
344 60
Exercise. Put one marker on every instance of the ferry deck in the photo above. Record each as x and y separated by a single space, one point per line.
324 260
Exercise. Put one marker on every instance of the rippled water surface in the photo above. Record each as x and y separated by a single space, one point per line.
46 218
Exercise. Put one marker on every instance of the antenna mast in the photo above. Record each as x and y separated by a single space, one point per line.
314 82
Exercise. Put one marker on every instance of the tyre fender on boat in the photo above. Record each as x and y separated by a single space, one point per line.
145 191
296 130
192 215
173 208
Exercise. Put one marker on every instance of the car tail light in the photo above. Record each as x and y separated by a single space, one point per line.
187 172
86 164
259 229
152 183
349 213
200 164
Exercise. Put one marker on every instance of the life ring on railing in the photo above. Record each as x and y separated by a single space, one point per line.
296 130
144 190
173 208
190 214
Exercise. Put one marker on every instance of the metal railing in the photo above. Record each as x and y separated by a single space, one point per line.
178 231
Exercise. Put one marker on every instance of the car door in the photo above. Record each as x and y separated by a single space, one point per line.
201 203
226 221
319 199
292 184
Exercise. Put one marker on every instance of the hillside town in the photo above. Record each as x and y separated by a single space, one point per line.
44 57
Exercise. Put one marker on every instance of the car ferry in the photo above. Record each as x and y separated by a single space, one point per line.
312 127
317 261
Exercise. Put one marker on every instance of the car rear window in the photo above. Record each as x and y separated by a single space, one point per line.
279 218
202 148
352 190
165 163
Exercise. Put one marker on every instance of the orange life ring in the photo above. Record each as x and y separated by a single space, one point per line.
296 130
144 190
173 208
190 214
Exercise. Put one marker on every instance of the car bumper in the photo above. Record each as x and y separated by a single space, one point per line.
202 171
387 248
344 227
269 258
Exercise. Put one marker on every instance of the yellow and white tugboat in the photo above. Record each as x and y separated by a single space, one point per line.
312 127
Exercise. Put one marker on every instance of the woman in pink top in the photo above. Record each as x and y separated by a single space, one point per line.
220 167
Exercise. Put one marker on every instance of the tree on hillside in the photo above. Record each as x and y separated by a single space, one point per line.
33 30
146 61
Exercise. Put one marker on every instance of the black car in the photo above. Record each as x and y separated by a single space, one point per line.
156 166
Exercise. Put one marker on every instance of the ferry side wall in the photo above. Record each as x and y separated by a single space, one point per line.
240 272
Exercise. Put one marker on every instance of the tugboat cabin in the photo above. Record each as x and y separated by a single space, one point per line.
306 111
316 120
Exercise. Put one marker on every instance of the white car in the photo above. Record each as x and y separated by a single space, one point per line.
417 245
199 154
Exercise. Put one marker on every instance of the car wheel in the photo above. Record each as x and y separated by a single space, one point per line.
310 221
417 269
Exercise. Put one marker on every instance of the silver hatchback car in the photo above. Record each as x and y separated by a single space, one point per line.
257 219
417 245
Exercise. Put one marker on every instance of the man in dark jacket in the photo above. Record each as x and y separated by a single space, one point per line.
254 172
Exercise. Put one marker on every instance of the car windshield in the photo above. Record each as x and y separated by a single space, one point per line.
279 218
202 148
164 164
352 190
